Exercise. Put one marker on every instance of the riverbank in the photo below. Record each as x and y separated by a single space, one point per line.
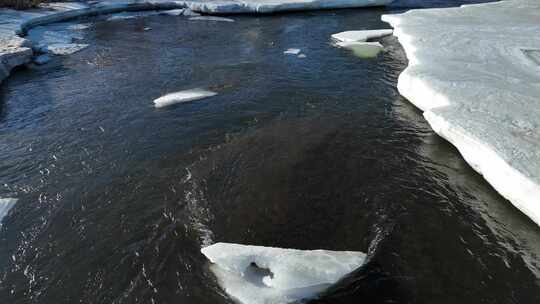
474 71
16 51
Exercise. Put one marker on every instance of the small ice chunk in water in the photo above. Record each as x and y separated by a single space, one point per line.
5 205
356 36
362 49
302 56
292 52
183 96
211 18
256 275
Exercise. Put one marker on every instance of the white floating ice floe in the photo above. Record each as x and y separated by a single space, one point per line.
356 41
5 205
183 96
471 72
292 52
211 18
267 275
360 36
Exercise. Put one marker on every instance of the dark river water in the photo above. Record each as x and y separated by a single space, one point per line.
117 197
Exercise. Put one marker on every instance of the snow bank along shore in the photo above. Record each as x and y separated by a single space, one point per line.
16 51
475 72
255 274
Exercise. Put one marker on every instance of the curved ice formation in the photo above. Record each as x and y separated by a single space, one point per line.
471 72
182 96
256 274
360 36
5 205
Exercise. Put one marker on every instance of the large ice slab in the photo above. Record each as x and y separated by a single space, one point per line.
182 97
471 72
256 275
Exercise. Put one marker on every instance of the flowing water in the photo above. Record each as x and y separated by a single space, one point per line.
117 197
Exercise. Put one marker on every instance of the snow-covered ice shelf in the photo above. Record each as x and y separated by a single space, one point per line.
257 275
472 71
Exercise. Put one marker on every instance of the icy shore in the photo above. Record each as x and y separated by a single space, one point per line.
16 51
474 72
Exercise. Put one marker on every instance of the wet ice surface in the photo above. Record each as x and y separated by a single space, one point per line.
117 198
486 103
256 274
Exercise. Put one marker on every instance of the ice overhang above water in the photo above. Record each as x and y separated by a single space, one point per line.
256 274
475 72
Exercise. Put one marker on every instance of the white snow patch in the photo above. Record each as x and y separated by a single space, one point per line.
256 274
360 36
183 96
470 71
211 18
292 51
5 205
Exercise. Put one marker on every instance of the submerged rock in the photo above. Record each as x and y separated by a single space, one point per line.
42 59
182 96
256 274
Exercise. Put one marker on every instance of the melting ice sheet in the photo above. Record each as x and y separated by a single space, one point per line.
256 275
5 205
183 96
